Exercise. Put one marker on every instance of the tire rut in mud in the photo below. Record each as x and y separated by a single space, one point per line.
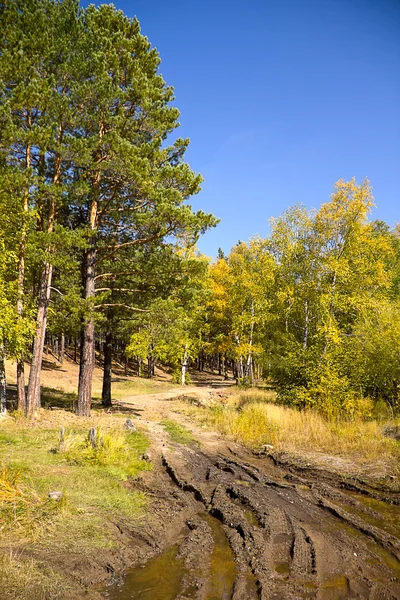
292 537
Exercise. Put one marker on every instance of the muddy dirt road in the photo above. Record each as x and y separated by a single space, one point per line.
226 524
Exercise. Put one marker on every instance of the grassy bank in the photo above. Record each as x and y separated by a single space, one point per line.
252 418
40 534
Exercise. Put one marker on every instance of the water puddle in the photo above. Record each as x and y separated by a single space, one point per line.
223 568
379 556
244 483
251 518
282 568
387 516
334 588
161 578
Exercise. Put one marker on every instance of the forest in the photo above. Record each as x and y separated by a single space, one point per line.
98 242
176 426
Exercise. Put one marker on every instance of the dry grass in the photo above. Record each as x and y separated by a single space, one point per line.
253 419
27 578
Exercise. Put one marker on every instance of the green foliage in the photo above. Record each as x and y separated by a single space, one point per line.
316 305
171 330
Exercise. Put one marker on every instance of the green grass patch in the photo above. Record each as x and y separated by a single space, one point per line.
178 433
93 482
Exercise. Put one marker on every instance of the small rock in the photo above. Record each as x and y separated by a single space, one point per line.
129 425
55 495
268 447
146 457
392 431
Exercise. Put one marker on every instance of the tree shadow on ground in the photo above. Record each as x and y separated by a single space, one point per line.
54 399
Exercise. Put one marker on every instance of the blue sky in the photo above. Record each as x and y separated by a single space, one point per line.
280 99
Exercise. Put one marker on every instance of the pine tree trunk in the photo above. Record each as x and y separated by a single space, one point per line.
21 280
62 349
3 385
86 364
225 367
107 374
21 395
33 396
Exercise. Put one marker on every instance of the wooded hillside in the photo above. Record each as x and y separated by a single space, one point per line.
97 239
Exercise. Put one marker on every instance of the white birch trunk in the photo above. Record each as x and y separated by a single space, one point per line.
3 386
184 367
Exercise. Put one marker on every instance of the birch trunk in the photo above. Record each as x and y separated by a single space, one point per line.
249 363
184 367
306 321
3 386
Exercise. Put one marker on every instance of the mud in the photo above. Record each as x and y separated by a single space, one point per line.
258 528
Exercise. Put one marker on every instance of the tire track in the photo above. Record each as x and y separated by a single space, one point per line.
295 541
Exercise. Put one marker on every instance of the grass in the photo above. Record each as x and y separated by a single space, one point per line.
93 485
178 433
27 578
253 419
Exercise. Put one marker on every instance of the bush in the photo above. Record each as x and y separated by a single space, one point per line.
116 450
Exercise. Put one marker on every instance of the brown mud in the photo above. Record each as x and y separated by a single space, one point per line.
226 524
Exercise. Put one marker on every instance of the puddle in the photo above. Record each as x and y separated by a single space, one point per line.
334 588
382 556
223 568
251 518
159 579
389 514
282 568
245 483
302 487
251 586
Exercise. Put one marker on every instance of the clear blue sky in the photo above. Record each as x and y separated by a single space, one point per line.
280 99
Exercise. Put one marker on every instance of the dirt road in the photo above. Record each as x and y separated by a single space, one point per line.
294 531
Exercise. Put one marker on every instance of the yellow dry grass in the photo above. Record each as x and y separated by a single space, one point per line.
253 419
